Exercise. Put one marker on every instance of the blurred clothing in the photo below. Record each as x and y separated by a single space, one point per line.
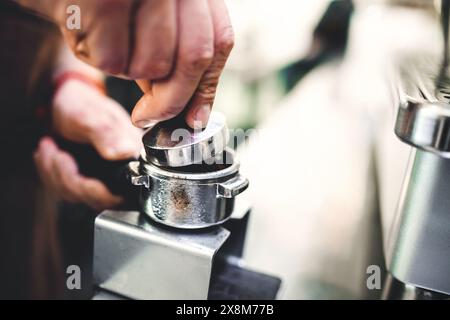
28 46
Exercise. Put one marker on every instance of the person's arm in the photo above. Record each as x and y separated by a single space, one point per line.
82 113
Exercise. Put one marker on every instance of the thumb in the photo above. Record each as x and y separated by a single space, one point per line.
81 114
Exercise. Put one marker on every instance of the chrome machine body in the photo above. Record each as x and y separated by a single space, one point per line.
418 246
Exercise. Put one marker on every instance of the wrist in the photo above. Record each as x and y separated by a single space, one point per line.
43 113
69 75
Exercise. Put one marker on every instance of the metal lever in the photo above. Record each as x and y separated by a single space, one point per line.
423 83
135 177
233 187
423 118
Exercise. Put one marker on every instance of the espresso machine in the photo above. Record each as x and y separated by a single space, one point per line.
417 250
184 238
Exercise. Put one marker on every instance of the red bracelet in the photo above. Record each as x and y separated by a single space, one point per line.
75 75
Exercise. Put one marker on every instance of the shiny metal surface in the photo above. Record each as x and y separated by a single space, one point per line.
188 200
173 144
233 187
423 83
136 259
418 247
445 25
417 250
106 295
423 118
397 290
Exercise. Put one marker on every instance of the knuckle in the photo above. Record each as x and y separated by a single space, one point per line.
161 67
111 64
208 86
207 93
170 111
151 69
197 60
225 41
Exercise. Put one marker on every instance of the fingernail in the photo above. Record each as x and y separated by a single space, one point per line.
144 124
202 115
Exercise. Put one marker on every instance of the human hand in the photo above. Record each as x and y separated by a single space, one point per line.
80 113
177 49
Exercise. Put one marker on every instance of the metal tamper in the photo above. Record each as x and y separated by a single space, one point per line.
188 177
173 144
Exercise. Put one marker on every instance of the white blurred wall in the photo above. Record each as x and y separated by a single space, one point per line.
312 184
269 35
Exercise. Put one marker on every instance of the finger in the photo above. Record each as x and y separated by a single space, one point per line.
113 146
60 172
96 195
43 157
46 158
145 85
116 138
81 114
200 105
67 177
195 52
74 187
154 39
106 44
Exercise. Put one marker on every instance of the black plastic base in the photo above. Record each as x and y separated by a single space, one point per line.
231 282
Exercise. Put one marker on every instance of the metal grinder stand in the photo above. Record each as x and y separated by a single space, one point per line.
136 258
170 249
